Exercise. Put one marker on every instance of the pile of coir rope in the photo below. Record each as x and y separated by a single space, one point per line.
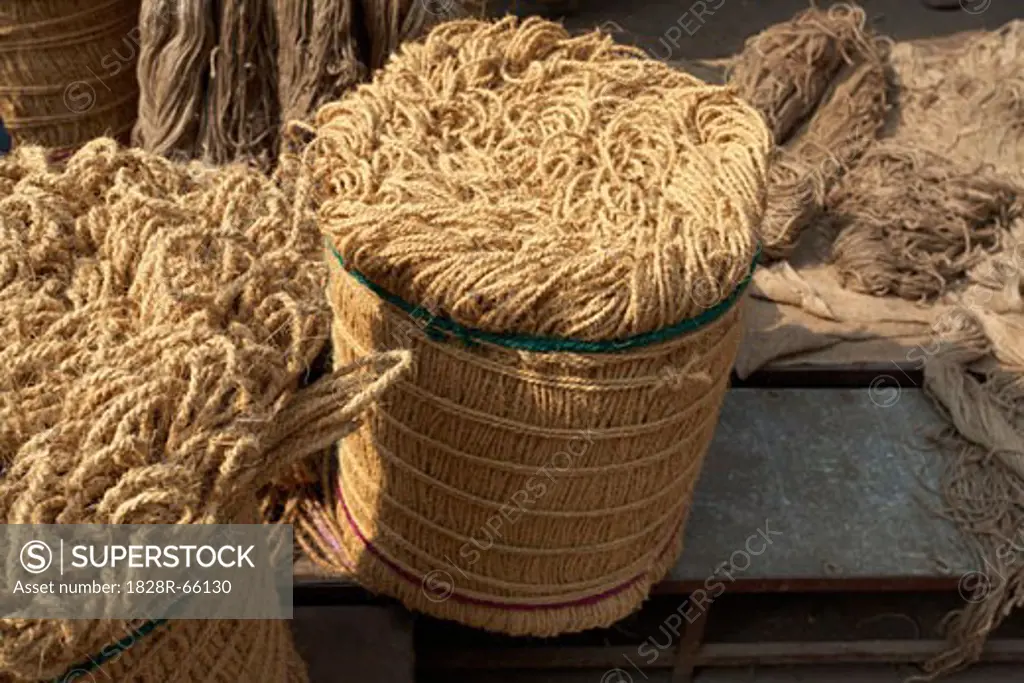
560 228
820 63
901 221
156 325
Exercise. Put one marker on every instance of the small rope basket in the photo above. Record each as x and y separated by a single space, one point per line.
560 229
67 70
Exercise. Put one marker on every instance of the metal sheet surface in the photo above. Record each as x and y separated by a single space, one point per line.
839 480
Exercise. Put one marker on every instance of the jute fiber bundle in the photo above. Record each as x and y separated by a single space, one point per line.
548 9
820 82
208 78
786 69
389 23
156 324
829 145
67 70
219 78
318 57
925 224
560 229
242 118
176 38
327 47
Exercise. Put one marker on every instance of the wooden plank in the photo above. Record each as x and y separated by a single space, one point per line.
367 643
710 655
837 584
856 376
313 590
688 649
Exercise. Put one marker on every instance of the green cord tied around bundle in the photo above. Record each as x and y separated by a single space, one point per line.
439 327
111 652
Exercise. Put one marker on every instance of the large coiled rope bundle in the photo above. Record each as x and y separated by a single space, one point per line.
559 229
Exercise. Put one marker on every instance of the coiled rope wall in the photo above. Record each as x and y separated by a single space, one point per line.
559 229
67 70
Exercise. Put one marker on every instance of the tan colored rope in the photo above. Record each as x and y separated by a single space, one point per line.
156 323
911 222
820 82
589 189
786 69
519 181
459 443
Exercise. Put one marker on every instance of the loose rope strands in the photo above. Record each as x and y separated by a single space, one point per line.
560 230
156 324
67 70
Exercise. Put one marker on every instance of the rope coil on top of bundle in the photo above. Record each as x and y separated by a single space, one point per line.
439 327
589 188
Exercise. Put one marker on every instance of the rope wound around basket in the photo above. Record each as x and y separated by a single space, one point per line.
539 187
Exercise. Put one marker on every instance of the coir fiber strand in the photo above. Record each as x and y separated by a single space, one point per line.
391 22
911 222
845 124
